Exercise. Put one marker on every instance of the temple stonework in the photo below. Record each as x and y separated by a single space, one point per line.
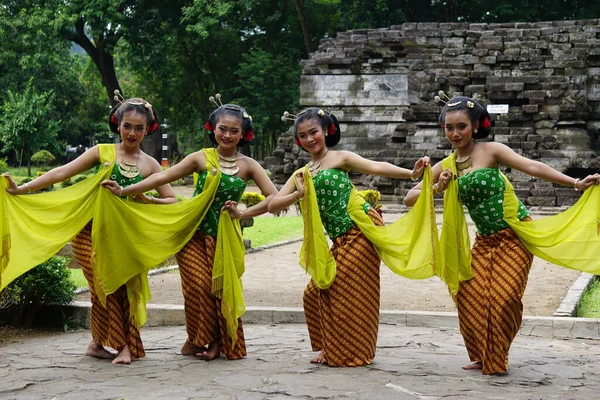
381 84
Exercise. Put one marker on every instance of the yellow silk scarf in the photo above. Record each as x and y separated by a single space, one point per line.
455 251
409 246
569 239
128 238
35 227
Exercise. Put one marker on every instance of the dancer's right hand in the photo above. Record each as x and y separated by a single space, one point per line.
444 180
12 185
113 186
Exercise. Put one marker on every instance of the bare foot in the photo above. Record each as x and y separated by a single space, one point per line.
97 350
319 359
214 351
475 365
190 349
124 356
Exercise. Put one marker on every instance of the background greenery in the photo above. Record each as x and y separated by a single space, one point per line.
61 60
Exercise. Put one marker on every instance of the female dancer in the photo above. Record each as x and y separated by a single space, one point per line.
489 305
342 304
111 324
211 322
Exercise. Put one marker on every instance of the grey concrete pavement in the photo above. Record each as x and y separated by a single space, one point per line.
411 363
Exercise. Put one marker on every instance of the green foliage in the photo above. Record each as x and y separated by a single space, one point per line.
79 178
27 122
251 198
372 197
47 284
42 157
3 165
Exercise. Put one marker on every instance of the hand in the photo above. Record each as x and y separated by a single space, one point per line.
12 185
419 167
443 180
587 182
144 198
300 184
113 186
231 206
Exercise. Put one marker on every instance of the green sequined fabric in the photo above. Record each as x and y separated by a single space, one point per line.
230 188
482 192
333 187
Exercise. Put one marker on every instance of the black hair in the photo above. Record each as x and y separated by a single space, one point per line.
137 105
325 120
475 111
233 111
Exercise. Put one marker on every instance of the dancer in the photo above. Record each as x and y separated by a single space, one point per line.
213 301
493 274
341 301
112 323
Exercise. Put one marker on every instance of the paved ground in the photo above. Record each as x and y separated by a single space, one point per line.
411 363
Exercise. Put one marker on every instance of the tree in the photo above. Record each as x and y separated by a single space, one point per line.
27 123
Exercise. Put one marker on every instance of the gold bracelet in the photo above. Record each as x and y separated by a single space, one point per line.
28 188
121 192
411 176
153 199
435 189
575 184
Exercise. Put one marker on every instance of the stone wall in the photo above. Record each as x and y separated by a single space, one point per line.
381 83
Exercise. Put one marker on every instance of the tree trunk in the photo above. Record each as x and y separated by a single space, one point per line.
104 61
303 25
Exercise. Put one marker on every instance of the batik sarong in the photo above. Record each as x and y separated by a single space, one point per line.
343 320
489 305
111 324
204 319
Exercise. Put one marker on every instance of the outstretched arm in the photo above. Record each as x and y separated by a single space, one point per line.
352 161
192 163
84 162
267 188
504 155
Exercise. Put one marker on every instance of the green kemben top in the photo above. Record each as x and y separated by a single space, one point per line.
482 192
333 187
230 188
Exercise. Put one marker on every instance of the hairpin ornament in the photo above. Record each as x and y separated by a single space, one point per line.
118 97
216 100
442 97
288 117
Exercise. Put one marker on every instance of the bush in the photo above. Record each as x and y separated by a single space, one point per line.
251 198
66 183
47 284
372 197
80 178
42 157
3 165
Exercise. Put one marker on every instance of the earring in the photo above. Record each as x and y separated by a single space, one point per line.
475 131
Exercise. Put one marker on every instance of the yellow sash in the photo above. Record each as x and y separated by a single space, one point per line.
409 246
569 239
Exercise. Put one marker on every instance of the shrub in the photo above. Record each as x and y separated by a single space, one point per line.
79 178
46 284
3 165
42 157
251 198
66 183
372 197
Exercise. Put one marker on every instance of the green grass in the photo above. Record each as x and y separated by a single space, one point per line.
590 302
77 277
268 230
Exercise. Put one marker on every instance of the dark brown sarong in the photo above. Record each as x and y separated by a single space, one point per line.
489 305
343 321
110 325
203 317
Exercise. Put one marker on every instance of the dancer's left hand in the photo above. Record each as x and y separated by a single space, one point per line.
231 206
588 182
419 167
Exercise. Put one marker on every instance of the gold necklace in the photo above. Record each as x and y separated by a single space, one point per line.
128 170
464 165
315 166
228 164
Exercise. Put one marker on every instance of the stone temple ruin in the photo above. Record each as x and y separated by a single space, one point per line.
543 77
